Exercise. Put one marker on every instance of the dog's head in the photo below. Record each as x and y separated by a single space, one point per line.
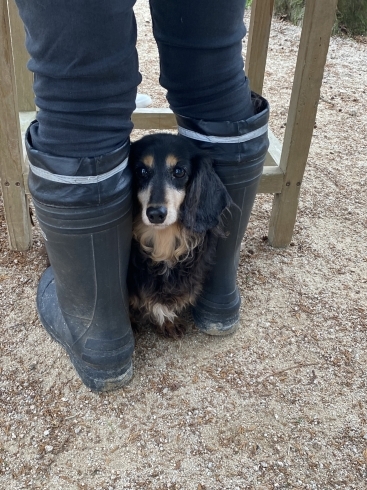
175 181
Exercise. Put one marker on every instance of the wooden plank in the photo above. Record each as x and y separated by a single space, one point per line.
149 118
274 152
258 42
317 24
23 77
15 201
271 180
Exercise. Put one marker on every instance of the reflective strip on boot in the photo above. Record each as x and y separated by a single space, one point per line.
223 139
69 179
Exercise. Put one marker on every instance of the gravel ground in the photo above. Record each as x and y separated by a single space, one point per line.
279 405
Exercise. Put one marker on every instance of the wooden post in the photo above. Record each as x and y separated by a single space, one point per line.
258 42
24 78
317 24
11 154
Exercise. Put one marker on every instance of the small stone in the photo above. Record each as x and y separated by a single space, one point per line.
48 449
46 432
165 391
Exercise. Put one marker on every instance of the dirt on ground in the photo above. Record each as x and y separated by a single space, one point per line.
279 405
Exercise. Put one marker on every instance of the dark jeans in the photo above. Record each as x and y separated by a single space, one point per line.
85 64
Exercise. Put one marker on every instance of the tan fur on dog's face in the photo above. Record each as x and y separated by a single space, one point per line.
162 174
172 200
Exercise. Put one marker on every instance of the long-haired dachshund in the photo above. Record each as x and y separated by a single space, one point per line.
179 200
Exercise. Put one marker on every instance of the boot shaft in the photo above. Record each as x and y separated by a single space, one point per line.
238 150
83 206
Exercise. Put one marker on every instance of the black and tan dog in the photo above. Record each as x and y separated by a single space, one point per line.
179 200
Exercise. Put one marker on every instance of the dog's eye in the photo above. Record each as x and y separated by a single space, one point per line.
142 172
179 172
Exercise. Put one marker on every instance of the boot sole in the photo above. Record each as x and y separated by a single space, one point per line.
215 328
215 331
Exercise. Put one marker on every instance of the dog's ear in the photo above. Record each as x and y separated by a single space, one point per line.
206 197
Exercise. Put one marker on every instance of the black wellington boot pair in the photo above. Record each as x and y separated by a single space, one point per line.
84 209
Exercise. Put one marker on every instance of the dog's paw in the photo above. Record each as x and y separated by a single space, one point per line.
174 330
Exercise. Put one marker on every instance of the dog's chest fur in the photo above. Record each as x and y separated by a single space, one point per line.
167 270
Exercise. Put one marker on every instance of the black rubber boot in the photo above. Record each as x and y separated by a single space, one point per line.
85 217
239 150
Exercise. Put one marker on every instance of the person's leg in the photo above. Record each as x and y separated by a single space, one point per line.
86 72
200 47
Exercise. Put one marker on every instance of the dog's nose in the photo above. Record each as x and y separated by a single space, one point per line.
156 215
